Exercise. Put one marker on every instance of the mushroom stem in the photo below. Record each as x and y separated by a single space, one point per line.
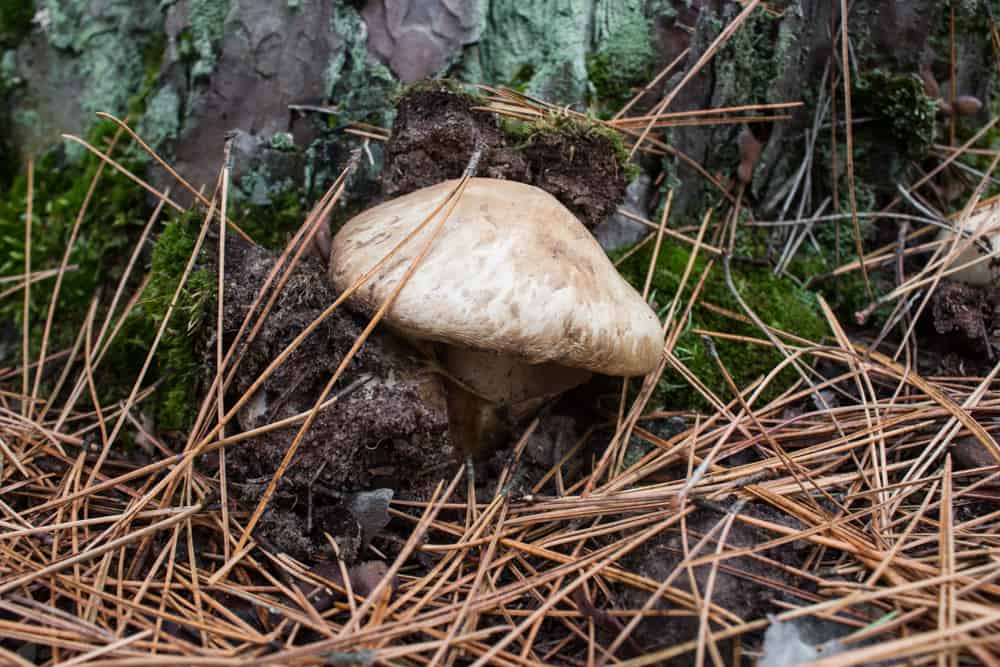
488 390
476 426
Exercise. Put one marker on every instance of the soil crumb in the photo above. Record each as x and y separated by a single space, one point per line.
437 129
386 430
967 319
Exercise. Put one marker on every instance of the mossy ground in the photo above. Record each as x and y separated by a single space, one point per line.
115 215
777 301
110 228
272 224
176 363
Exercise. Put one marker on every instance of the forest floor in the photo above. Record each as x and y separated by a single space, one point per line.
835 500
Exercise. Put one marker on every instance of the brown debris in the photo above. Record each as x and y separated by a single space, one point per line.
969 317
387 430
749 150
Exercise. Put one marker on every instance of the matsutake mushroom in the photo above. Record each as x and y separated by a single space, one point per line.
518 298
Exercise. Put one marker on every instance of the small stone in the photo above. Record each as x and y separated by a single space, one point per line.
371 509
619 230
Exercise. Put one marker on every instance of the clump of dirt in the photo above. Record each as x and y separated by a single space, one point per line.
387 429
436 131
434 135
968 321
579 164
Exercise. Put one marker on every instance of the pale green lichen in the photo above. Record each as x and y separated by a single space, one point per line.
206 20
8 69
161 123
95 58
108 56
360 86
282 141
623 58
548 39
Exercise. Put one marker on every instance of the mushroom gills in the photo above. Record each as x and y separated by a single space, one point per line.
489 390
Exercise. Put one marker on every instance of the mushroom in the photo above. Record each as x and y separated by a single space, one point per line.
967 105
517 297
984 223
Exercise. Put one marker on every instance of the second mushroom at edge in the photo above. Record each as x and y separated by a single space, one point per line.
519 297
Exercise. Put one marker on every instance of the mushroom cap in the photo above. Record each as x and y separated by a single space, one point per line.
984 221
513 271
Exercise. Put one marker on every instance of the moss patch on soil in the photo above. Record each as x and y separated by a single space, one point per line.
777 301
178 360
110 228
114 217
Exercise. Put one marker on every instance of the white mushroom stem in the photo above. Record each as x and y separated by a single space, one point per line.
486 386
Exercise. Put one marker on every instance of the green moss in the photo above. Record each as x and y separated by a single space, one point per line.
623 59
272 221
443 85
15 21
777 301
898 108
106 238
522 78
115 216
176 363
152 61
116 213
612 88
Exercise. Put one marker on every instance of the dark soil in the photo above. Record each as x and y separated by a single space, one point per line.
433 138
746 586
436 131
966 327
389 431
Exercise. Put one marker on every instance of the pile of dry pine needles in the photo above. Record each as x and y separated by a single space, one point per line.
870 483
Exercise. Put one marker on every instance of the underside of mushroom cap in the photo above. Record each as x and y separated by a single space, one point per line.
512 271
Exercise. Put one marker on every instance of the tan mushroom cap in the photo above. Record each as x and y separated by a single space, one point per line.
983 222
513 271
